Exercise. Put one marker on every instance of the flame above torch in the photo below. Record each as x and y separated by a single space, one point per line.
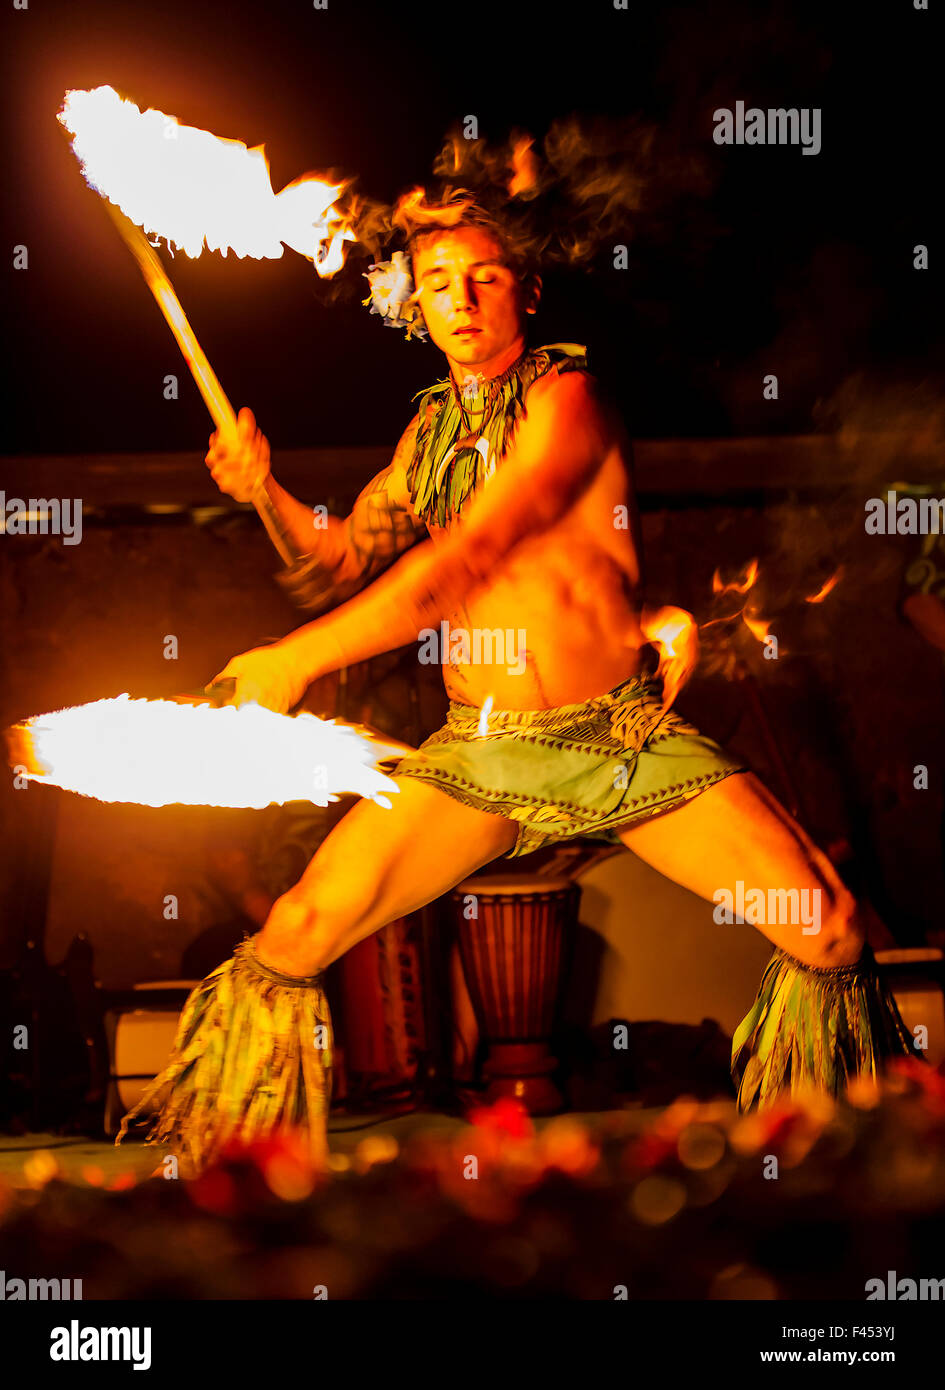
197 190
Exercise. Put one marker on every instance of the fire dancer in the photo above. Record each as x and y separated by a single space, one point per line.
508 507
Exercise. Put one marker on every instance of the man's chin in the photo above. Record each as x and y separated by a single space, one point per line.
470 349
473 352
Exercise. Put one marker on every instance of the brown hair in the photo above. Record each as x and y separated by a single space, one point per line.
596 181
452 208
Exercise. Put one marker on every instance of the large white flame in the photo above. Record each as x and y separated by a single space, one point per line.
160 753
195 189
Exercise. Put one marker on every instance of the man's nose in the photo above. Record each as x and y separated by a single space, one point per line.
463 296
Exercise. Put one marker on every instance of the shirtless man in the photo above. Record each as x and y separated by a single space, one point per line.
536 548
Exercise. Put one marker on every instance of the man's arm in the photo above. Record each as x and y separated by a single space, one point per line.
352 552
557 451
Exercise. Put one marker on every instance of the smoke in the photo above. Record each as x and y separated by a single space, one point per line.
369 220
874 432
883 426
591 183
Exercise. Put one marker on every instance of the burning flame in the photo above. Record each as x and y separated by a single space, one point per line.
160 753
195 189
669 631
826 587
760 628
525 167
484 716
737 586
736 605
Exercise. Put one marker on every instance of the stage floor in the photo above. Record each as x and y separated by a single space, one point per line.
74 1153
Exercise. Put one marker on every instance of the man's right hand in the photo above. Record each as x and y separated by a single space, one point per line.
239 466
269 676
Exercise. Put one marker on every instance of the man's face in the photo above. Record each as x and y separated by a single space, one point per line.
464 285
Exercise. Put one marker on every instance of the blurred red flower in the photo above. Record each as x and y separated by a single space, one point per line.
506 1116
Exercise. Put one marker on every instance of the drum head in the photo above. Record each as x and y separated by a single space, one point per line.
493 885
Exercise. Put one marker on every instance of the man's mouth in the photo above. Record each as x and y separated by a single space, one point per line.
466 332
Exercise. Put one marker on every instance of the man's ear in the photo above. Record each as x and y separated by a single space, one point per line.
533 298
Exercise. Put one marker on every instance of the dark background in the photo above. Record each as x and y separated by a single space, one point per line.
790 263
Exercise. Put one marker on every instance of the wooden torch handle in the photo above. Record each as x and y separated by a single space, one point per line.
208 383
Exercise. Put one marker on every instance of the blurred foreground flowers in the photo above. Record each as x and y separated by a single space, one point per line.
807 1200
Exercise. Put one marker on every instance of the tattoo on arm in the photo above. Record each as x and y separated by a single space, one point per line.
378 530
376 533
312 585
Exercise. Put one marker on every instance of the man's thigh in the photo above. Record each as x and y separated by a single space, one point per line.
736 831
378 864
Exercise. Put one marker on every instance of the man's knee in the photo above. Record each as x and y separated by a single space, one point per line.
331 898
326 906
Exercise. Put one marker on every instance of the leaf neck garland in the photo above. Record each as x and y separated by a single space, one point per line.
441 478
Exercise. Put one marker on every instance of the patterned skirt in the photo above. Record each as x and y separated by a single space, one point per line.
588 769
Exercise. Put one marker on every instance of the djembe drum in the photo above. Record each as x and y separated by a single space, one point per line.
513 936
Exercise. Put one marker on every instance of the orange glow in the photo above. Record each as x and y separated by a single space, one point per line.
197 190
826 588
161 753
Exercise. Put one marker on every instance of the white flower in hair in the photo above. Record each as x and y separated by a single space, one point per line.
393 295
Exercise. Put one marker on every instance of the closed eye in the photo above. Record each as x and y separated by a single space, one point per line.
480 280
